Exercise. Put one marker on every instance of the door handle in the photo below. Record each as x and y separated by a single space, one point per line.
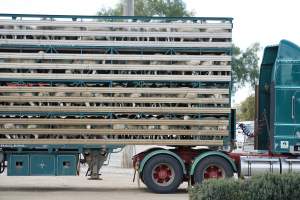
293 107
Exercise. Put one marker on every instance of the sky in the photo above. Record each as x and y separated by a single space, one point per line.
263 21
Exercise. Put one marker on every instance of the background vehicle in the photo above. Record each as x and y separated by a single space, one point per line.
88 85
244 141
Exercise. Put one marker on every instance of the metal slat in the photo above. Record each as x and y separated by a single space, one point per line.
84 109
131 57
87 33
126 25
113 77
84 132
84 121
129 90
111 99
95 43
111 142
124 67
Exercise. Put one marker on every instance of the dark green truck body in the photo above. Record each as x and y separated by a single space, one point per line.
278 118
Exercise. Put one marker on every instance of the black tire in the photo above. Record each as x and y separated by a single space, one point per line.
215 161
148 178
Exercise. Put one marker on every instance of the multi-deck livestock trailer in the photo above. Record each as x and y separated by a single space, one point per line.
74 89
88 85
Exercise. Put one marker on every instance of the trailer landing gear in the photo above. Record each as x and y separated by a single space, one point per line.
95 160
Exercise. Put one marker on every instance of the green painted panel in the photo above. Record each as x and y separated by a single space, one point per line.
42 165
283 112
18 165
264 102
66 165
286 137
279 98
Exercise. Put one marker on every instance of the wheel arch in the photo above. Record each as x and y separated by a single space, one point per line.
212 153
161 152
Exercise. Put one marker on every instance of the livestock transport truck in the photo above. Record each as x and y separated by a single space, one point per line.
74 89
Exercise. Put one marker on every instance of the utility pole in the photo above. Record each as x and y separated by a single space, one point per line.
128 151
128 8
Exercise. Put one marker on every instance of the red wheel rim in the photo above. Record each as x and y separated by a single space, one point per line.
213 171
163 174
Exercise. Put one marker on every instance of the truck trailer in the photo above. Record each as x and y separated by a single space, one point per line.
74 89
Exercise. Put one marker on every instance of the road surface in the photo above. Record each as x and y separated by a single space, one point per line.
116 185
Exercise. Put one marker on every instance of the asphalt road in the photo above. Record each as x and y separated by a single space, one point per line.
116 185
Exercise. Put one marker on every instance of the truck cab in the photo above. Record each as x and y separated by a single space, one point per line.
278 100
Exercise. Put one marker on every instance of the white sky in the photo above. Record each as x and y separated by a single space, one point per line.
264 21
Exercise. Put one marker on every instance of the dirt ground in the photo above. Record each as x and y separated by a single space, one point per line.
116 185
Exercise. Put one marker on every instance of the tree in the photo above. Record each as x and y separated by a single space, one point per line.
246 110
165 8
245 66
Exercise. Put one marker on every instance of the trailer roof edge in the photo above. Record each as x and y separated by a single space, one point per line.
15 15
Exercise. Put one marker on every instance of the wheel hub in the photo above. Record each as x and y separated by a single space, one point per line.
213 172
163 174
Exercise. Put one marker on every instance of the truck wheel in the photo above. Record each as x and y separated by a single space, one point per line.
212 167
162 174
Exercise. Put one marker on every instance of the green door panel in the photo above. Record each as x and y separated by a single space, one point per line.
42 165
66 165
18 165
283 111
286 109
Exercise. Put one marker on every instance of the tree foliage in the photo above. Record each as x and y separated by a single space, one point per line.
165 8
246 110
245 66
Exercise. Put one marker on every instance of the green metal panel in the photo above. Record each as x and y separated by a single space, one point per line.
42 165
286 78
261 139
233 124
211 153
70 148
18 165
66 165
279 98
157 152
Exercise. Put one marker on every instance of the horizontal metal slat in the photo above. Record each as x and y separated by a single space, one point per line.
111 99
116 90
126 25
83 109
84 132
84 121
112 77
86 33
164 142
96 43
124 67
137 57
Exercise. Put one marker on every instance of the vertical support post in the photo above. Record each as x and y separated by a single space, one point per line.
128 8
256 118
